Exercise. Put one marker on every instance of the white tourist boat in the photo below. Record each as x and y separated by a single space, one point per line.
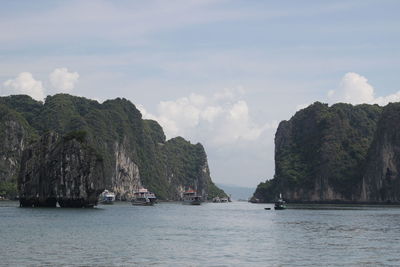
220 200
144 197
190 197
107 197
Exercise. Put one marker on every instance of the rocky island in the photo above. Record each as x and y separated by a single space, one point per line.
69 149
337 154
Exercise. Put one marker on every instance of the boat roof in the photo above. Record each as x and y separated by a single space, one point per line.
143 190
190 191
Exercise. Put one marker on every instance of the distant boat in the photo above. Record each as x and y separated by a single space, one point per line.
143 197
216 200
280 204
107 197
220 200
224 200
190 197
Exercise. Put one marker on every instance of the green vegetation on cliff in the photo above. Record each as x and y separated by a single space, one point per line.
164 166
381 179
185 162
15 133
320 153
8 189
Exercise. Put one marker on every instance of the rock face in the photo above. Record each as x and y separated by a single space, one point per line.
13 141
381 180
323 154
126 179
187 167
134 151
15 133
64 170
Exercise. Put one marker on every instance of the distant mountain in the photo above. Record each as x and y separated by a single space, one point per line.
237 192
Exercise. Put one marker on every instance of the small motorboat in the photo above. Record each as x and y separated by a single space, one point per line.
220 199
224 200
280 204
107 197
216 200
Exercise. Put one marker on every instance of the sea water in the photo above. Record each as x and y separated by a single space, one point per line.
213 234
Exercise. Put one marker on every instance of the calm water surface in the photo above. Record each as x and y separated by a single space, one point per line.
213 234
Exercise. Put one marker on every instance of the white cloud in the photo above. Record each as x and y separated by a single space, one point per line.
62 80
24 83
144 112
220 119
210 113
355 89
383 100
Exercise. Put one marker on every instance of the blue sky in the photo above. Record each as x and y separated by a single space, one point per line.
223 73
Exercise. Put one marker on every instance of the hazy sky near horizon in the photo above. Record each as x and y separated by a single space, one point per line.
223 73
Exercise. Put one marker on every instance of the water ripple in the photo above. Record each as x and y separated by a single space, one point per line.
171 234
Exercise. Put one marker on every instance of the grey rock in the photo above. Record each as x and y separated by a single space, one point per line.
60 170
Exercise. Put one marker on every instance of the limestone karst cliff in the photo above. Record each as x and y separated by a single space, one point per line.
127 178
15 134
381 178
341 153
67 171
134 151
186 166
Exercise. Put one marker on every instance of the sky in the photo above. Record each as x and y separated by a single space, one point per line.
222 73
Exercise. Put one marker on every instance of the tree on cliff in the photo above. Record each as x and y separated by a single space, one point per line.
107 126
320 153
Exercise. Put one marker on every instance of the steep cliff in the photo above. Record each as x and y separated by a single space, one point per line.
134 151
15 134
126 179
320 154
381 179
65 170
187 167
